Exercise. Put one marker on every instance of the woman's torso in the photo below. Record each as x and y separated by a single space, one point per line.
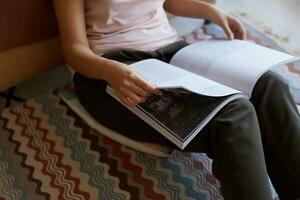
127 24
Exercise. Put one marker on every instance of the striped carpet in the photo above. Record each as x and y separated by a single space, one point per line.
47 152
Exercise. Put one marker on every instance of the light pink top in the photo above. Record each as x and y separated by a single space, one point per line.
130 24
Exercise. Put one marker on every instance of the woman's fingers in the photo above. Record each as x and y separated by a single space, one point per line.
126 100
144 84
138 90
241 32
130 99
135 98
238 29
133 89
228 31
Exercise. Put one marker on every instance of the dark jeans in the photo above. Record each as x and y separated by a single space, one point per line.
248 140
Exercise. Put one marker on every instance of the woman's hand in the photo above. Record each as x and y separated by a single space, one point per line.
130 87
200 9
232 27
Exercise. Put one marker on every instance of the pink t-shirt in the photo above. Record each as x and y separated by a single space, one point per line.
127 24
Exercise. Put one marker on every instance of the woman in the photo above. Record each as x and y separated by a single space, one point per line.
247 140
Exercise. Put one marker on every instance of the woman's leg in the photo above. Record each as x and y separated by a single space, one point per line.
234 143
280 125
232 137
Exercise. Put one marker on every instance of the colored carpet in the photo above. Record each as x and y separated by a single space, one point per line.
47 152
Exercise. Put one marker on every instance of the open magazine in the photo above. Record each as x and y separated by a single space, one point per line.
201 79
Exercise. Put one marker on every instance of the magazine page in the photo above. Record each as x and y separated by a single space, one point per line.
179 115
164 75
235 63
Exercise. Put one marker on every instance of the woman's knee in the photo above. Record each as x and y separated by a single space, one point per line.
239 110
272 80
270 91
238 123
272 76
236 114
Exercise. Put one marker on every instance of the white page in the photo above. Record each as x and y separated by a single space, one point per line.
164 75
237 64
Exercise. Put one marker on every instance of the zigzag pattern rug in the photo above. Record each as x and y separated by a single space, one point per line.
47 152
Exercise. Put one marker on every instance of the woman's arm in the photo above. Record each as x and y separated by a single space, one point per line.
75 46
190 8
200 9
128 85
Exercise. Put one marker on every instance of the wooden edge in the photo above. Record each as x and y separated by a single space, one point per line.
23 63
